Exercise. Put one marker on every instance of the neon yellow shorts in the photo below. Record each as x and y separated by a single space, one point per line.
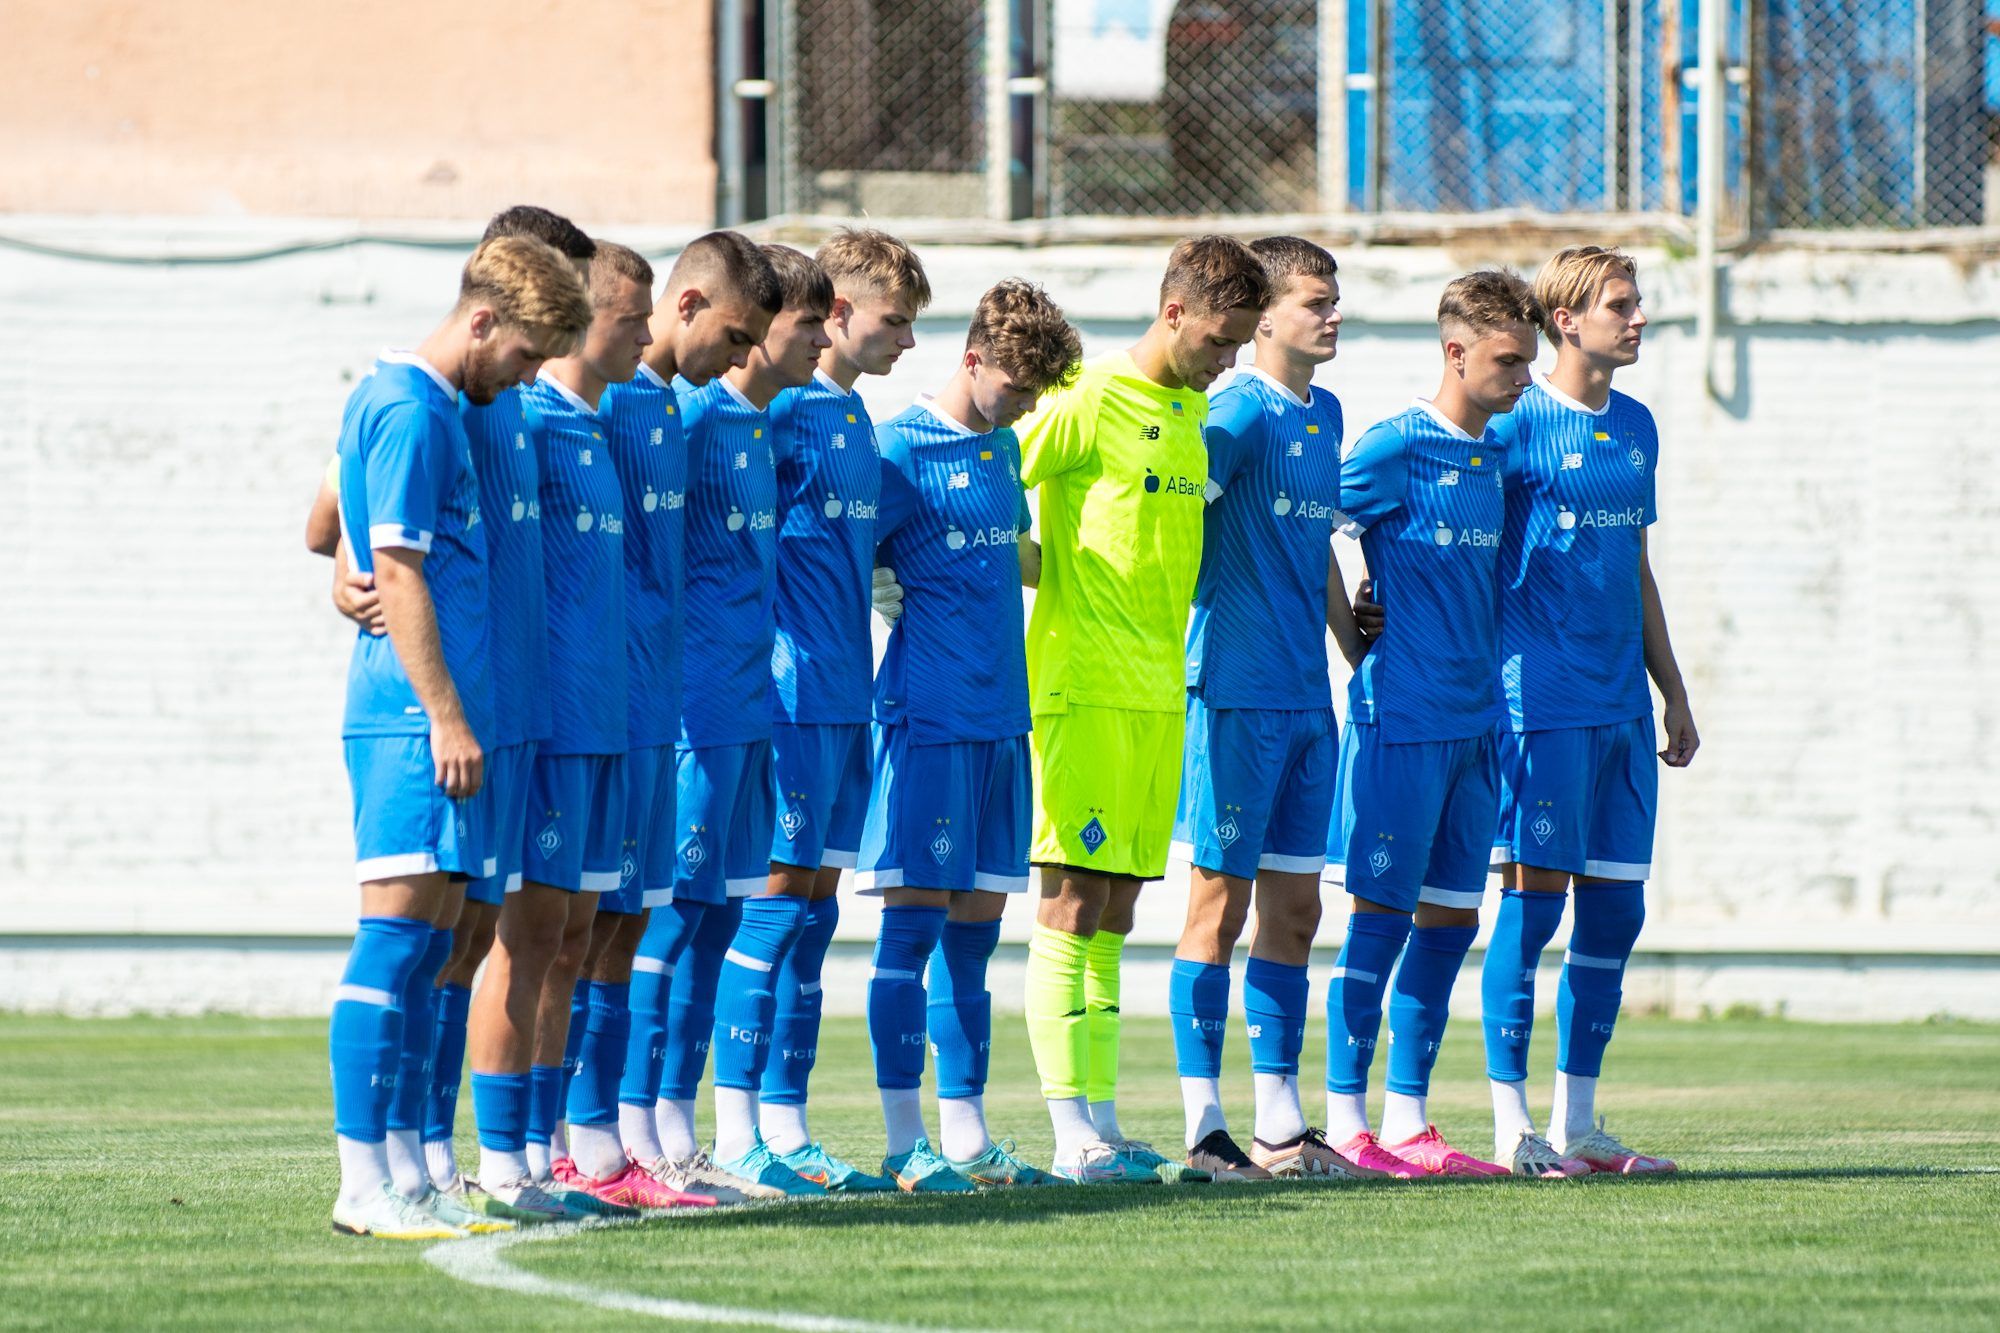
1106 784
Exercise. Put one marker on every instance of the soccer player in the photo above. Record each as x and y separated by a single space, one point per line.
576 790
1417 794
725 792
829 482
1580 627
718 303
946 840
1257 778
1118 456
420 696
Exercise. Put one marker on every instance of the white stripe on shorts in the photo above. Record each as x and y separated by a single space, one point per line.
598 881
834 859
1618 869
1000 883
1291 865
395 867
1466 898
743 888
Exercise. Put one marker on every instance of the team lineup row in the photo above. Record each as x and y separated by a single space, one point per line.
614 730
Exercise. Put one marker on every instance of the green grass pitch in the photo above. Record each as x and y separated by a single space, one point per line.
177 1174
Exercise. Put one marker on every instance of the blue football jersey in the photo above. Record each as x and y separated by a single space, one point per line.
407 481
583 561
1580 494
829 483
953 514
505 456
1426 500
732 518
1258 637
651 457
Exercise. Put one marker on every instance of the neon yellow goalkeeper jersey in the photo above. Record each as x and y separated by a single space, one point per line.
1122 471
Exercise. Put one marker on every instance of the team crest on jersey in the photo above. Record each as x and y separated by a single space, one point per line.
941 846
1092 836
1638 460
549 839
1227 833
1572 463
1379 861
792 821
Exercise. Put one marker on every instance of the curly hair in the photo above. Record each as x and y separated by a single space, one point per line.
1209 275
529 285
1026 335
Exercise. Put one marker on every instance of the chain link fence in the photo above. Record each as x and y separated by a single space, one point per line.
1836 114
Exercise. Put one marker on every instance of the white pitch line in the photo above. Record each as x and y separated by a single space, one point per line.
481 1262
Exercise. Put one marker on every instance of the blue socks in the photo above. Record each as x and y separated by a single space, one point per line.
1198 1000
418 1058
365 1036
668 930
896 993
545 1089
579 1027
1275 997
593 1096
960 1011
1354 999
746 996
1421 1002
500 1105
1608 918
1526 923
795 1030
453 1003
691 1006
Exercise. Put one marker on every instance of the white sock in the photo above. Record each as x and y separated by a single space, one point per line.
675 1121
1201 1100
559 1141
735 1123
498 1167
1403 1117
407 1168
1346 1115
597 1150
1510 1113
538 1162
636 1132
1574 1113
1104 1115
783 1126
364 1169
443 1162
1074 1130
962 1132
1280 1118
903 1118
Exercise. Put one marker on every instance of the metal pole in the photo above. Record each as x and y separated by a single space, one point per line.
999 111
1920 155
1711 43
1332 148
1378 100
729 183
1610 143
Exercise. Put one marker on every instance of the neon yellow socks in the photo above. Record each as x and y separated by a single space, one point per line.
1053 996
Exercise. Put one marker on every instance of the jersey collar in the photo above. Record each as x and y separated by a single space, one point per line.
1430 409
1273 381
653 375
930 404
829 383
569 395
1564 400
735 392
397 356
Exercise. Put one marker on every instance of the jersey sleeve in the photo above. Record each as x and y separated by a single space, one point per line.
1511 430
1651 436
1374 477
1234 434
899 496
1056 439
784 420
406 462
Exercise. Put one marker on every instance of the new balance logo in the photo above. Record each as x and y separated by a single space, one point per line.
1149 432
1572 463
1256 1030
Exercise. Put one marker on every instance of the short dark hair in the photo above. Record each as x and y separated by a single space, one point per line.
612 261
1487 302
1288 257
540 224
1212 274
732 262
801 279
1024 332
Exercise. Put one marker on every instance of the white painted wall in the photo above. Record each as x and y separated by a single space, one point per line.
170 671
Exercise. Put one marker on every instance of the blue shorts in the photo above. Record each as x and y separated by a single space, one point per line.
1407 819
822 777
951 816
722 822
1581 799
404 824
646 856
505 796
1256 789
576 822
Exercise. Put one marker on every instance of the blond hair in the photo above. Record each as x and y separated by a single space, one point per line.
1573 279
1026 336
1487 302
528 285
613 262
1211 275
861 260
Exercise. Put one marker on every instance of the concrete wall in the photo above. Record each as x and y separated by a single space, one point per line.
170 672
357 108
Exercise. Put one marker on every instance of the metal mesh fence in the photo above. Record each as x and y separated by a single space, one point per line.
1835 113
